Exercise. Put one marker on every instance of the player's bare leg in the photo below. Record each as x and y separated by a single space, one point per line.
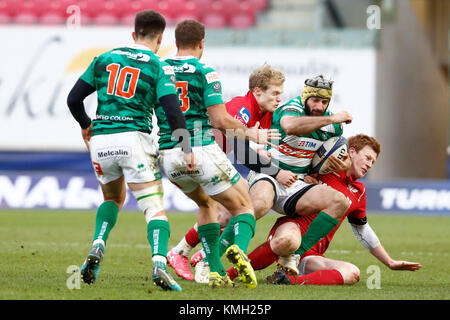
262 195
331 206
322 198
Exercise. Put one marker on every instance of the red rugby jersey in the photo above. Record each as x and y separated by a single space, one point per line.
247 111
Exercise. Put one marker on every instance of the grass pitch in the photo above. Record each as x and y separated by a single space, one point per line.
37 249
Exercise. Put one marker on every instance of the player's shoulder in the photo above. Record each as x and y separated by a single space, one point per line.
236 102
210 74
297 102
294 104
205 67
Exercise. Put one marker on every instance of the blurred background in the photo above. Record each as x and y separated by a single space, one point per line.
389 60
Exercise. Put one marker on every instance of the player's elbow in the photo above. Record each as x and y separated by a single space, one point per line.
218 123
289 126
72 99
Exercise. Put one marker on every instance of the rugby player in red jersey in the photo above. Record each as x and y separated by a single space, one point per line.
313 268
255 109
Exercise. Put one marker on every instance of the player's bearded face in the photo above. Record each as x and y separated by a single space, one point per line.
316 106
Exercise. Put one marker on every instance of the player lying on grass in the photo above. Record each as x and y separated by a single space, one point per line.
313 268
130 82
255 109
215 178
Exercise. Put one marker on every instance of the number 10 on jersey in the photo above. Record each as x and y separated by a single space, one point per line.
120 76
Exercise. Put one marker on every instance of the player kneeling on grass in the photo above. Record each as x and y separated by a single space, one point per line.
215 178
313 268
130 82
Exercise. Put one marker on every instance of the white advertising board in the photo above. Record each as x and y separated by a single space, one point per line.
39 66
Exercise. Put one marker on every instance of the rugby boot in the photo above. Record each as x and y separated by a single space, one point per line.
162 278
91 266
196 258
216 281
279 277
180 264
202 272
245 270
289 263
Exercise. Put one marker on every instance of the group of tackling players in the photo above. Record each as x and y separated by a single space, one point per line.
133 83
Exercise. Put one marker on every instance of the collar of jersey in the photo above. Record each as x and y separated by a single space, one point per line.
139 46
183 57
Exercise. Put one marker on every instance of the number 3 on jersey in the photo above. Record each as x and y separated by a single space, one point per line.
119 89
182 86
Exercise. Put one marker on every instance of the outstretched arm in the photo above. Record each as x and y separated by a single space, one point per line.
305 125
365 234
380 253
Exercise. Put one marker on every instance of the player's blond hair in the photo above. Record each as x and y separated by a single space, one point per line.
361 140
265 76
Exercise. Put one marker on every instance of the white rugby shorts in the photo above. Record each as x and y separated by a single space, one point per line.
214 171
285 197
131 154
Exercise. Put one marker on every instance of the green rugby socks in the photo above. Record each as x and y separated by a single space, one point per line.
319 228
227 237
209 237
158 233
105 220
244 230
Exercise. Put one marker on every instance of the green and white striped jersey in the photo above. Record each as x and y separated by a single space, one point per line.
129 81
198 87
295 153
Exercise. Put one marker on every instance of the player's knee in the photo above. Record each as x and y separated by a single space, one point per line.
340 204
352 275
207 203
261 206
284 244
150 202
224 217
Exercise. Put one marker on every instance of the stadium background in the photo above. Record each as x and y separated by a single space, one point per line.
389 60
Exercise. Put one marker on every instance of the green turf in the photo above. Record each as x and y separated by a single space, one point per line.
37 247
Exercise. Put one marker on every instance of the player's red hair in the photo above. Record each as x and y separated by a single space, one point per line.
361 140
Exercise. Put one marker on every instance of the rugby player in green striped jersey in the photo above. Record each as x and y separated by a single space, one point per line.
304 122
215 178
130 82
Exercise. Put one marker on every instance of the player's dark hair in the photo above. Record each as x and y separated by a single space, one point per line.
189 33
361 140
149 23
